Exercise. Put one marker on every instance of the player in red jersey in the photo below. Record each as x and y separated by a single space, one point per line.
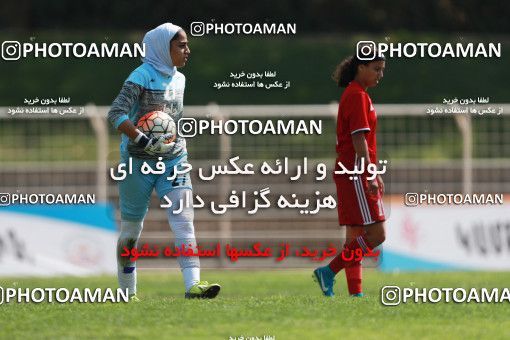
360 205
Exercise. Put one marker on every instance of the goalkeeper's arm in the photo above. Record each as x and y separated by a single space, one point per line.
118 117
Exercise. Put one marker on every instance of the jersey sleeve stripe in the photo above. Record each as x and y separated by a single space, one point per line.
362 129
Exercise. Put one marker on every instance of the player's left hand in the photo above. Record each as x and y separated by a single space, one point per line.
381 184
373 187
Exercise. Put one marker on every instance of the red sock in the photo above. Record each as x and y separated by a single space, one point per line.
338 263
353 275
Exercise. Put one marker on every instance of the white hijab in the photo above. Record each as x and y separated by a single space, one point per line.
157 48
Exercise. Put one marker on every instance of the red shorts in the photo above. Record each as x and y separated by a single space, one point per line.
355 206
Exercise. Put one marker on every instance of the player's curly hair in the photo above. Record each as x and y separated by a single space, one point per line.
345 72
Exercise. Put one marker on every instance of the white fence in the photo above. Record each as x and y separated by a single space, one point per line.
440 153
420 145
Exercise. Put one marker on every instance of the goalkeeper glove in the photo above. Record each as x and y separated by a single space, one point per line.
155 145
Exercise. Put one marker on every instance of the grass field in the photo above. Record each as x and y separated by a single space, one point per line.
283 304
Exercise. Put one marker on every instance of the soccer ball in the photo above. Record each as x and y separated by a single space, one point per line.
157 123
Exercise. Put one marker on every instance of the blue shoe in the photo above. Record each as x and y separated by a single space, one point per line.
325 277
357 295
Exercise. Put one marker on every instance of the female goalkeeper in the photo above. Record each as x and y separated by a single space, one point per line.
155 85
360 205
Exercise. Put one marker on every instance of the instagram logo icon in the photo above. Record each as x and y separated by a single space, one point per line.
11 50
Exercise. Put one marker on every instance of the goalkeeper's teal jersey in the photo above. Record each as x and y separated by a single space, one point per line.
147 90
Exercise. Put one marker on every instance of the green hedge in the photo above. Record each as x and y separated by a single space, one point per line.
305 61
